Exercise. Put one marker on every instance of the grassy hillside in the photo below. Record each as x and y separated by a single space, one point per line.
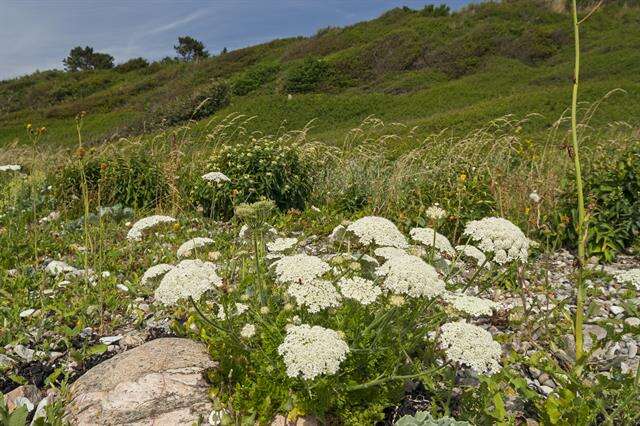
436 72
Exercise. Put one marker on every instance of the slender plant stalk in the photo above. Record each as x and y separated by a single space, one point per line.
582 228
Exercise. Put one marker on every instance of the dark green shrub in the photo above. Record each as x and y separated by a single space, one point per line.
264 168
433 11
307 76
202 103
132 179
132 65
254 78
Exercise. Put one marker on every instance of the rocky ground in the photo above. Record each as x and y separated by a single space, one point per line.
143 365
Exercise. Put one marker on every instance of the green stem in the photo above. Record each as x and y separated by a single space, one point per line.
581 229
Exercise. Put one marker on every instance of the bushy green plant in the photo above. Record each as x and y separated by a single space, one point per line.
306 76
132 65
263 168
132 179
254 78
202 103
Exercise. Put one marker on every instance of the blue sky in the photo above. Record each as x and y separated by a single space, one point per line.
38 34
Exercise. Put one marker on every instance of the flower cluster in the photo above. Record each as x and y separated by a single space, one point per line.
470 345
631 276
315 294
10 168
474 253
248 331
135 233
435 212
190 278
300 268
500 237
186 248
217 177
239 309
311 351
474 306
281 244
389 252
377 230
155 272
429 237
359 289
412 276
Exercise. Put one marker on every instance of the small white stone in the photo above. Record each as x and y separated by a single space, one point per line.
107 340
122 287
616 309
27 313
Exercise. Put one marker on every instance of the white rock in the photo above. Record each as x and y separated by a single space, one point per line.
616 309
27 313
107 340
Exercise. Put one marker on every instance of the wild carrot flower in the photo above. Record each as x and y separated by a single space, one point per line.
315 294
216 177
135 233
190 278
500 237
186 248
412 276
359 289
311 351
470 345
299 268
377 230
429 237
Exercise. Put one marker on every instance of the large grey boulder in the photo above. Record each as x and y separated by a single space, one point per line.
157 383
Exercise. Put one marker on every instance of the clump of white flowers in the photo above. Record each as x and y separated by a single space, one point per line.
429 237
217 177
248 331
470 345
435 212
389 252
315 294
631 276
534 197
10 168
359 289
237 309
474 253
186 248
281 244
500 237
377 230
412 276
155 272
311 351
474 306
135 233
300 268
190 278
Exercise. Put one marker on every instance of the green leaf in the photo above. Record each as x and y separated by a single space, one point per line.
18 417
98 349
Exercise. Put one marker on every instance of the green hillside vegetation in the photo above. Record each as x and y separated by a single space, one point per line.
423 68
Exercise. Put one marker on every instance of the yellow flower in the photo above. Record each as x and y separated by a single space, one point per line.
462 178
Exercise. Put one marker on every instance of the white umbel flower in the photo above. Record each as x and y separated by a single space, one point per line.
534 197
281 244
216 177
300 268
631 276
187 247
377 230
248 331
315 294
10 168
501 237
435 212
474 253
312 351
470 345
155 272
389 252
412 276
135 233
426 237
471 305
360 289
190 278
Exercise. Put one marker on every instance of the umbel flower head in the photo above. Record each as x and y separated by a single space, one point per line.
300 268
281 244
499 236
378 231
10 168
155 272
217 177
435 212
412 276
135 233
389 252
186 248
360 289
312 351
426 237
470 345
474 253
315 294
471 305
190 278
